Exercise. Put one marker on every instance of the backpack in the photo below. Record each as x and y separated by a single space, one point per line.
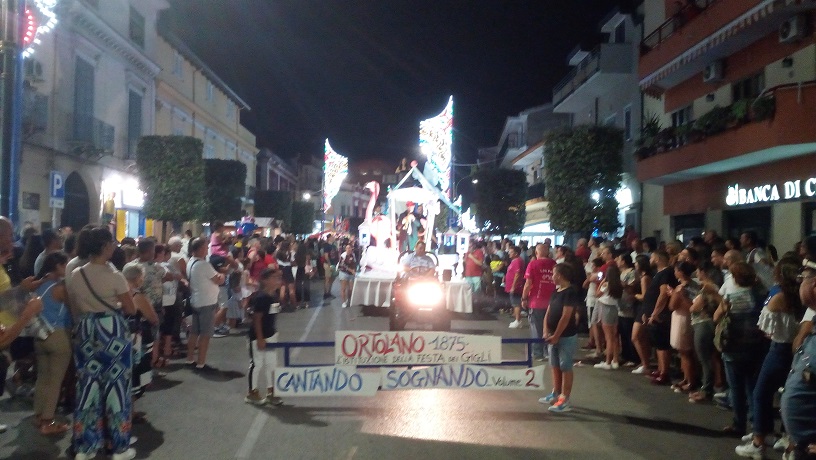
737 332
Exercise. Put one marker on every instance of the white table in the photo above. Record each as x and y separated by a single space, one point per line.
376 292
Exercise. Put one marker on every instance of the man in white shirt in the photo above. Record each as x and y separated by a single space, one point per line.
204 284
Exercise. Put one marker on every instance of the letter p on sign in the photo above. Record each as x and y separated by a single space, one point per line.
57 200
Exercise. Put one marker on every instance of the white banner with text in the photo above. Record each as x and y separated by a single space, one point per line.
325 381
462 376
352 348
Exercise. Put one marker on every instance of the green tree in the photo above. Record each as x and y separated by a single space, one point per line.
225 183
276 204
302 217
499 200
171 173
582 161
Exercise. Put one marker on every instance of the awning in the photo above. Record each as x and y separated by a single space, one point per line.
747 19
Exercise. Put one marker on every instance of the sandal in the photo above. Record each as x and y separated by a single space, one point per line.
139 417
52 427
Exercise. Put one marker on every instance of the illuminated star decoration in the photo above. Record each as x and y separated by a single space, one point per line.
40 19
436 141
335 170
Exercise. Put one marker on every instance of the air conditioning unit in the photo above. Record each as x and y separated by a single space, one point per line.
713 72
793 29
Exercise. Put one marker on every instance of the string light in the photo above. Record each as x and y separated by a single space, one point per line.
39 21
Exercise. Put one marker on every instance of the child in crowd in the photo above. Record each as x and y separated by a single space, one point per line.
265 306
235 309
594 275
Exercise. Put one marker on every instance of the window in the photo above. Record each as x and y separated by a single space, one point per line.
627 123
137 27
611 120
748 88
134 122
681 117
178 64
230 111
209 151
83 101
209 91
620 32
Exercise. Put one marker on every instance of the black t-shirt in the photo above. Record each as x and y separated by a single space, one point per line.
331 253
665 276
569 297
261 303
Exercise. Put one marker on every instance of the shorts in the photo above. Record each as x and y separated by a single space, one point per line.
234 310
172 319
608 313
660 335
223 294
288 277
343 276
515 300
203 320
638 312
594 314
562 354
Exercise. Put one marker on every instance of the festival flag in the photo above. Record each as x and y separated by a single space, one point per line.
436 141
335 170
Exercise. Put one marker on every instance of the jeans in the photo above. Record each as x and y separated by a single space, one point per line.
772 375
741 372
704 348
537 331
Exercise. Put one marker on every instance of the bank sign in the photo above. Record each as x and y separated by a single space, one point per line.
768 193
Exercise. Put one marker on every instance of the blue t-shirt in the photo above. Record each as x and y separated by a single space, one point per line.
56 313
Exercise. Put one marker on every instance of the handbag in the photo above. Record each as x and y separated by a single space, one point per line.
737 332
133 323
39 327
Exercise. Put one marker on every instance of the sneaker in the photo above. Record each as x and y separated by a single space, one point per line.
327 296
273 400
603 365
133 440
345 304
81 456
218 333
782 444
721 395
699 396
593 354
549 399
254 397
615 365
749 450
640 370
204 368
562 405
515 325
3 428
126 455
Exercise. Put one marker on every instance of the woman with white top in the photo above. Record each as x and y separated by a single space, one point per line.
779 320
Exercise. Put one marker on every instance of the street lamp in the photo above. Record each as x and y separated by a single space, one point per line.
473 180
307 196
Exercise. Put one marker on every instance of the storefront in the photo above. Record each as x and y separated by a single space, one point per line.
777 200
122 203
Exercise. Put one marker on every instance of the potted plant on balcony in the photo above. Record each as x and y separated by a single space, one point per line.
763 108
715 121
739 111
647 143
666 139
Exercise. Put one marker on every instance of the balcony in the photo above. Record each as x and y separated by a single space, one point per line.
723 142
685 43
90 136
35 112
599 72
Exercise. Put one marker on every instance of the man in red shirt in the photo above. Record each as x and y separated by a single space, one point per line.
582 251
536 294
514 284
474 263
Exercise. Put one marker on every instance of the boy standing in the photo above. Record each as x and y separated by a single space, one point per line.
265 306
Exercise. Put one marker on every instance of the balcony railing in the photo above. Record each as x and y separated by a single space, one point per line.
674 23
577 76
91 135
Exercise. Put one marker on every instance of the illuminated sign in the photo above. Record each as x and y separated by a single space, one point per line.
768 193
436 142
335 170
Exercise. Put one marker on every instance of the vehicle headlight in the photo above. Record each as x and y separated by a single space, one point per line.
425 294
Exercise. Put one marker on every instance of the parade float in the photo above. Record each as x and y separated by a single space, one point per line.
408 217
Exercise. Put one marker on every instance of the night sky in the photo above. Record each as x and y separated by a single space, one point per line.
363 73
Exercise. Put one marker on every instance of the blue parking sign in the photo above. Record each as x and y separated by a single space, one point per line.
57 185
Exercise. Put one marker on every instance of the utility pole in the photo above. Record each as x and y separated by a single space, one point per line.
11 110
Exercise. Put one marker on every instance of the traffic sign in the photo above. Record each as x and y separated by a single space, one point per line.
57 185
57 203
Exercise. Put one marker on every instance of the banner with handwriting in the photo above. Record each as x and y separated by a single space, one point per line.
462 376
356 348
325 381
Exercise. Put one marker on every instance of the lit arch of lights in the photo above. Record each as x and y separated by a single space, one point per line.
40 18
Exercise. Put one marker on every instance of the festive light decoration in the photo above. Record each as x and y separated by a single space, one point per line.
335 170
436 141
40 19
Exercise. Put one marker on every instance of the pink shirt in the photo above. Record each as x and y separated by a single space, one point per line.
217 248
472 268
516 266
540 274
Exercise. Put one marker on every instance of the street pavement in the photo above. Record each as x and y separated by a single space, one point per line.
616 415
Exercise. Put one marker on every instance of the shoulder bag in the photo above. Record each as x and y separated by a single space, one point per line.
133 323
